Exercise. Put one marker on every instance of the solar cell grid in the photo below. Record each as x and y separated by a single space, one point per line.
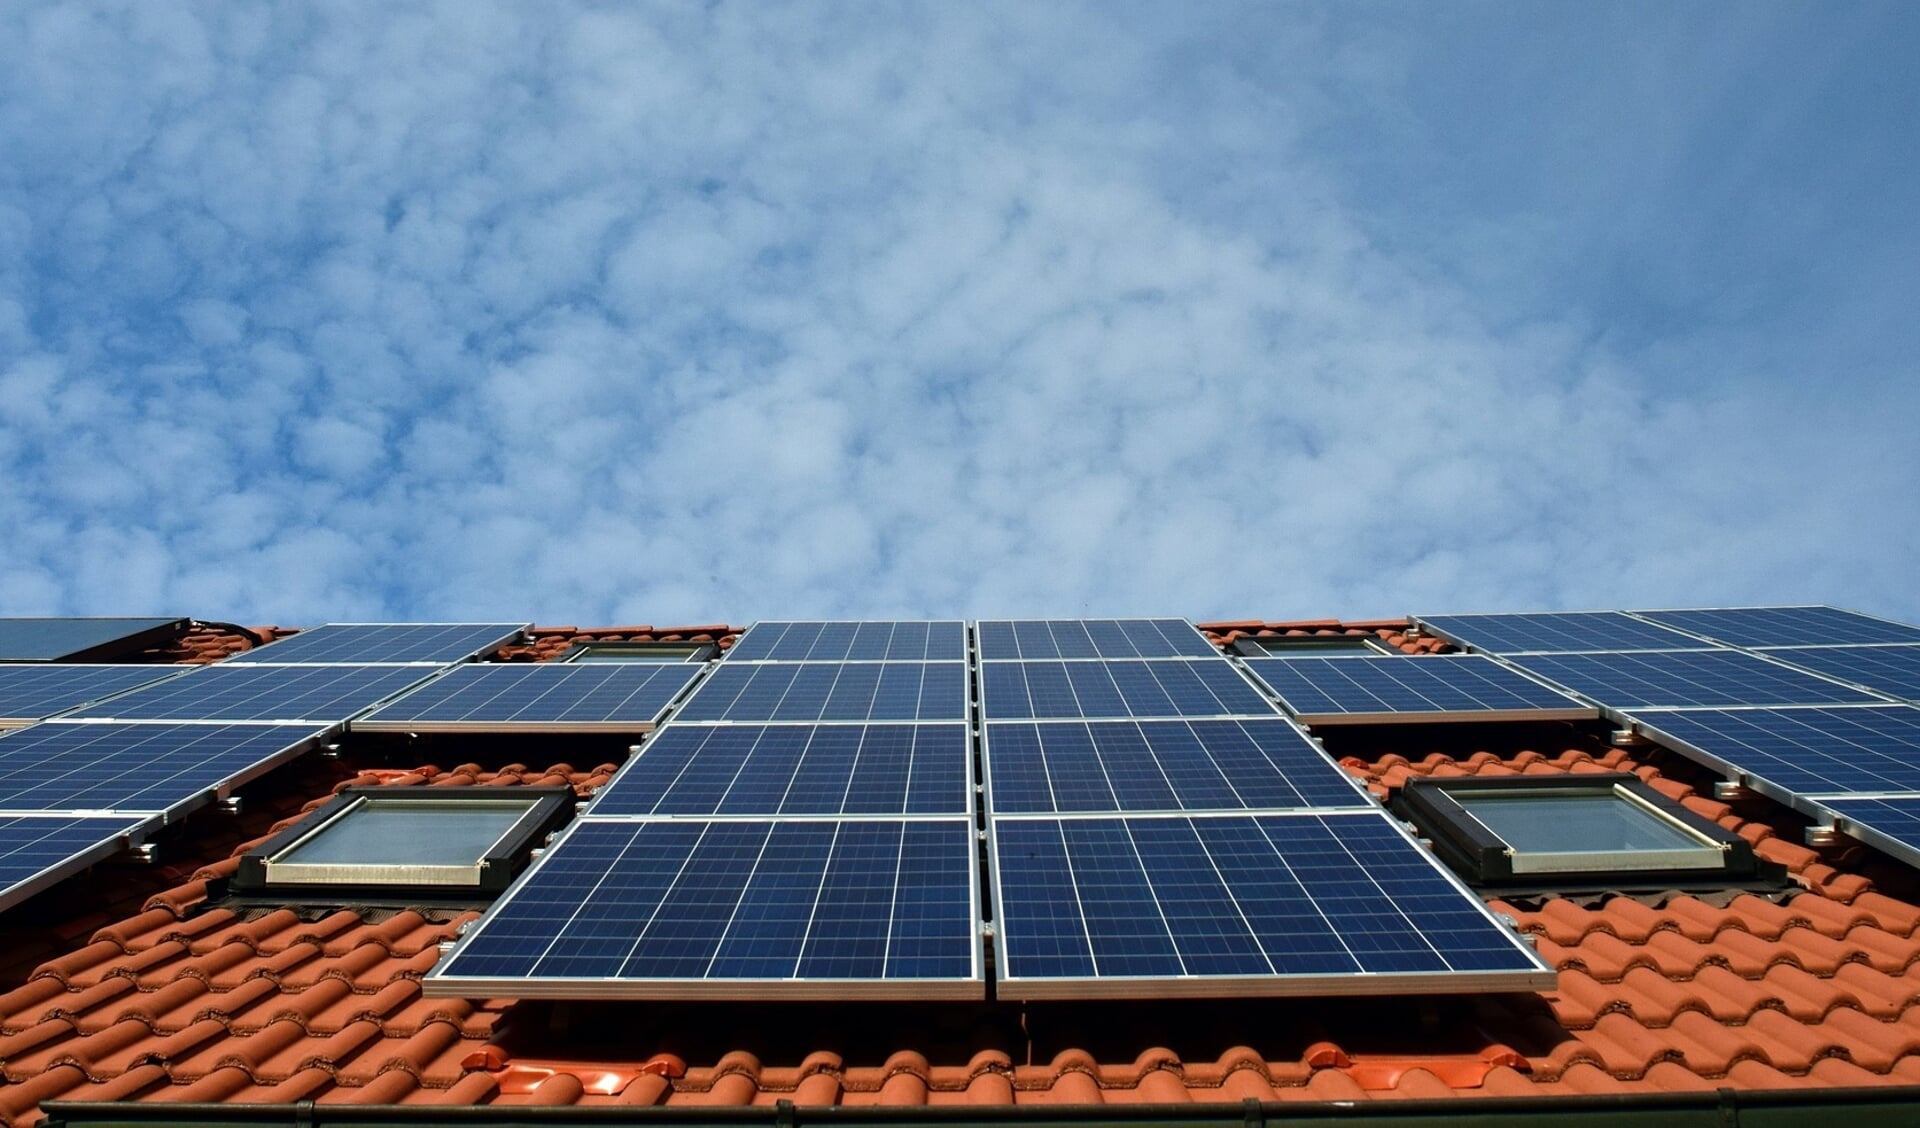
1558 632
322 694
135 768
1889 823
1804 752
1688 679
1354 689
814 692
544 695
875 641
31 692
360 644
1785 626
35 851
1141 766
1016 639
1118 689
50 640
697 909
1237 905
1893 670
795 770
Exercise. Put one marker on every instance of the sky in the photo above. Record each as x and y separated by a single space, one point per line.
614 314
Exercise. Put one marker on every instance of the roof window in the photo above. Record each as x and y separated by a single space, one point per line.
640 651
388 840
1270 646
1603 827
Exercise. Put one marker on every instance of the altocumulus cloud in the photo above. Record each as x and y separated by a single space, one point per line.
612 314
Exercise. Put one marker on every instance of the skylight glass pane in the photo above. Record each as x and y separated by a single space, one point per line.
1589 822
411 834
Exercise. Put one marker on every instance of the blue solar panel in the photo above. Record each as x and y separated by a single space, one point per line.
854 691
1091 638
1238 905
37 850
1115 690
367 643
629 695
907 641
1682 679
689 908
1161 766
795 770
1893 670
28 693
1785 626
51 640
1804 752
1352 689
1557 632
323 694
129 768
1891 823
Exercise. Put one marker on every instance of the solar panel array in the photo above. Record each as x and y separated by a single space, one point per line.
1800 703
322 694
142 769
368 644
1352 690
54 640
35 692
538 696
803 826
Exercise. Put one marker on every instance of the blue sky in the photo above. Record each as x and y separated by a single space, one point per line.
595 313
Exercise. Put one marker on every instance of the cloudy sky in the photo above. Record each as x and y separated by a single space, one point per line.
595 313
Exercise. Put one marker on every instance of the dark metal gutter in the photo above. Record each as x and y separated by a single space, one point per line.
1893 1106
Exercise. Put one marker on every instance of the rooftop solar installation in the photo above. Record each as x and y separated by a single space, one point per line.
52 640
154 769
795 770
38 850
321 694
1557 632
361 644
1141 766
32 692
1118 690
1682 679
1785 626
1893 670
824 691
1239 905
538 696
700 909
1014 639
1351 690
816 641
1802 752
1888 823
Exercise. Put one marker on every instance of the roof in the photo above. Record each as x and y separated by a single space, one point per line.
153 986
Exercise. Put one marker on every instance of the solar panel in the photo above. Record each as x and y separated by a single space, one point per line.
1557 632
1888 823
1801 752
137 768
827 641
851 691
53 640
31 692
362 644
715 909
1785 626
322 694
1353 690
1687 679
791 770
1140 766
38 850
1893 670
1239 905
1117 690
538 696
1091 638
